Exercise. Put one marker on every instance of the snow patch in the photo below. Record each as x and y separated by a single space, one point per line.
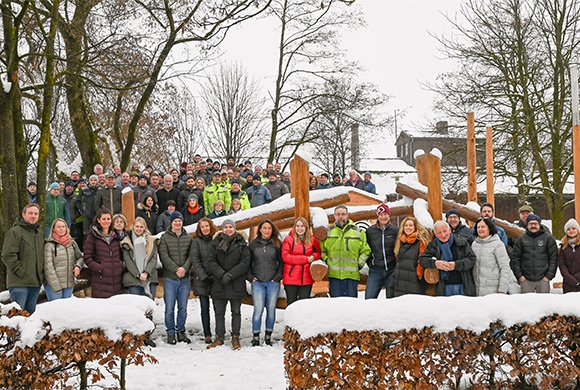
437 153
418 153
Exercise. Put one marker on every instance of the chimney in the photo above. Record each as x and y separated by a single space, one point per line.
442 127
355 146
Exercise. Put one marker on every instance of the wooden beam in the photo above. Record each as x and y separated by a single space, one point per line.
421 166
489 166
471 159
299 169
128 207
576 148
434 186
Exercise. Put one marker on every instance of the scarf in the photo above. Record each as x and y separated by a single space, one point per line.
193 210
446 254
226 241
139 251
62 240
572 243
410 239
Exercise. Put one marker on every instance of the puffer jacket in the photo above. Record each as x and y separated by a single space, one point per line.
23 255
535 256
199 256
56 207
345 251
295 257
105 262
491 273
569 260
464 261
174 252
266 261
382 243
405 280
59 263
235 261
131 277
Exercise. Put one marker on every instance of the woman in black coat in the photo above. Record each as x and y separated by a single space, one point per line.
148 211
229 262
201 276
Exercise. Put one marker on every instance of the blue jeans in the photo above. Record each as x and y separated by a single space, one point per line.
264 294
175 290
139 290
378 278
205 320
454 289
26 297
51 295
343 288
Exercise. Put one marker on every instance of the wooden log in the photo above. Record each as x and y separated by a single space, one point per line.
372 214
434 186
471 159
576 149
467 213
299 169
421 166
320 232
128 207
489 166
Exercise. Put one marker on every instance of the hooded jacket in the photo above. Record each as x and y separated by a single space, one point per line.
199 257
345 250
295 258
535 256
235 262
59 263
174 252
491 273
266 261
132 276
23 255
104 259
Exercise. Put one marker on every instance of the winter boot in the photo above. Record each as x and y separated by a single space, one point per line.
207 339
236 342
182 338
216 343
256 340
148 342
171 339
268 338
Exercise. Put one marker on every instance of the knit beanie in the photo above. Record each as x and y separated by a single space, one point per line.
572 223
53 186
383 209
452 212
229 222
533 217
175 215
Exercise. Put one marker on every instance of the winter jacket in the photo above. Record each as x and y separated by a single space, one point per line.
164 196
321 186
295 258
464 232
189 218
277 189
535 256
59 263
405 280
569 260
258 195
73 209
174 252
358 184
163 222
212 194
198 257
183 195
464 261
150 216
131 276
141 192
23 255
265 261
56 207
243 197
108 198
235 262
105 262
491 273
370 187
382 243
87 198
345 251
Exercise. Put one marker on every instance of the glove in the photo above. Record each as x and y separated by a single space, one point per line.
226 278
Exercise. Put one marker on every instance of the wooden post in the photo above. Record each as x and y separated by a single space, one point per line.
421 166
434 187
576 140
128 207
471 161
300 187
489 165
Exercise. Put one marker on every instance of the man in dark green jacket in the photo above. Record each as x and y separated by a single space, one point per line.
23 255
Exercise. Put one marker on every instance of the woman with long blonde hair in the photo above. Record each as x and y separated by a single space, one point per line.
412 240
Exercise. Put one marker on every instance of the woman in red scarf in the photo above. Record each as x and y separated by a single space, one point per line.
192 212
412 240
62 261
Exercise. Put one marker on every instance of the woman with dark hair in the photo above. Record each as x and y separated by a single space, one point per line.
147 210
568 258
491 272
265 275
412 240
201 276
300 248
103 256
313 183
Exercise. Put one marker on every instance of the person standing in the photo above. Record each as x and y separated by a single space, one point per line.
369 186
229 262
535 257
299 249
103 256
56 207
265 274
174 249
109 197
345 250
457 228
87 197
201 275
23 256
257 193
62 261
381 237
569 259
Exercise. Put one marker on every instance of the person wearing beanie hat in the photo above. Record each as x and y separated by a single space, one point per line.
192 212
535 257
457 228
569 257
56 207
229 262
31 191
53 185
174 247
258 193
368 185
381 238
142 189
323 182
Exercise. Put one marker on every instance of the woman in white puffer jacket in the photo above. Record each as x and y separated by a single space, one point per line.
491 273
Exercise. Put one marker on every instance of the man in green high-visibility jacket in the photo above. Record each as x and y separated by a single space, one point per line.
345 250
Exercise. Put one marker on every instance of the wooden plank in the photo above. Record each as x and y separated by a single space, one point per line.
434 187
421 166
128 207
489 166
300 185
471 159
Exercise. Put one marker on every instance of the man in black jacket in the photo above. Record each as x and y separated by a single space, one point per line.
457 228
381 237
535 257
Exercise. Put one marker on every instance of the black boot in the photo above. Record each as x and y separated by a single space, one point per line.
182 338
171 339
268 338
256 340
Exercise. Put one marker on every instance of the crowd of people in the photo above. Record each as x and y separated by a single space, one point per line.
85 228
